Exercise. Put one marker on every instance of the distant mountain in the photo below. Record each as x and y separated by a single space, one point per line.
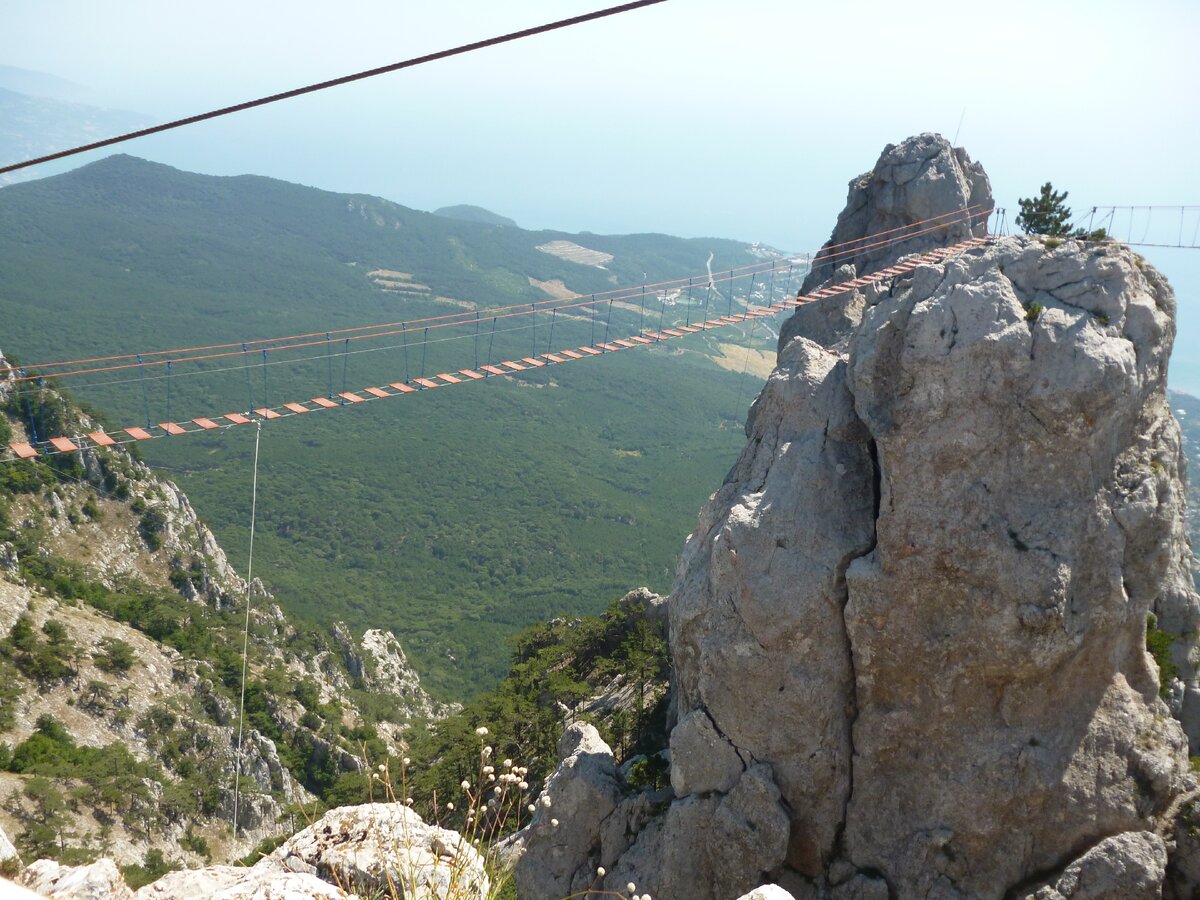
33 126
454 518
41 84
467 213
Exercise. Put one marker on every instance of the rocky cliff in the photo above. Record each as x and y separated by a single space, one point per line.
119 678
909 633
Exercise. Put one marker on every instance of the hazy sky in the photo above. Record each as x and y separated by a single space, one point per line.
694 117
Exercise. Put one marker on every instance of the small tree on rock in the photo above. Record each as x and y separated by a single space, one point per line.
1045 214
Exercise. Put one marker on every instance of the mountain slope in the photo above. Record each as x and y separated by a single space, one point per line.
464 212
455 518
120 654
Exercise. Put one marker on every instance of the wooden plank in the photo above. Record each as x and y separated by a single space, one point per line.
171 428
235 418
296 407
493 370
100 439
140 434
450 379
267 413
641 340
206 424
323 401
403 388
571 354
515 366
23 450
470 373
553 358
536 363
63 445
352 397
590 351
377 392
426 383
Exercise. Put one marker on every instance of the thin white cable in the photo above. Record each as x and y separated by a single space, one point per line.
237 778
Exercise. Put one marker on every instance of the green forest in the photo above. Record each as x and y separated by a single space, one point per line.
454 519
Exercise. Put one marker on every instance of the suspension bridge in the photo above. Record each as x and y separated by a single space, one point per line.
475 331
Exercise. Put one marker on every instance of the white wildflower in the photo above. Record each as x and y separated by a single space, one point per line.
406 761
450 806
524 785
631 887
481 730
466 785
554 822
508 764
546 801
531 808
600 871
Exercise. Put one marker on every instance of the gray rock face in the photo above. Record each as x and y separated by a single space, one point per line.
369 847
583 791
919 601
1127 866
100 880
920 179
369 850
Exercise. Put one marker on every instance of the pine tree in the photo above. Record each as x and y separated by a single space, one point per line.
1045 214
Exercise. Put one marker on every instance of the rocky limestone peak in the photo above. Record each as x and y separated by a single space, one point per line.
920 179
909 632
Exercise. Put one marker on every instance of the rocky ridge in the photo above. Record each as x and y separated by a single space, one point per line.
909 632
86 536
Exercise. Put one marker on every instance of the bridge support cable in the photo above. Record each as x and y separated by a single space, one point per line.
237 775
95 365
129 435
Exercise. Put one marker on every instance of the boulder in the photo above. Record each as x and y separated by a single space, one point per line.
582 792
100 880
1126 866
370 847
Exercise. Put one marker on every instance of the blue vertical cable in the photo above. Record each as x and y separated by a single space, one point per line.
345 366
266 386
42 401
329 360
249 383
33 432
404 338
145 396
490 340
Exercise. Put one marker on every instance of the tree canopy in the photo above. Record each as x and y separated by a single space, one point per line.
1047 213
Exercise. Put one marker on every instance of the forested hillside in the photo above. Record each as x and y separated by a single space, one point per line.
453 518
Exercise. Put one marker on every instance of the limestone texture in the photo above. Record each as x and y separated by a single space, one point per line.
917 607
